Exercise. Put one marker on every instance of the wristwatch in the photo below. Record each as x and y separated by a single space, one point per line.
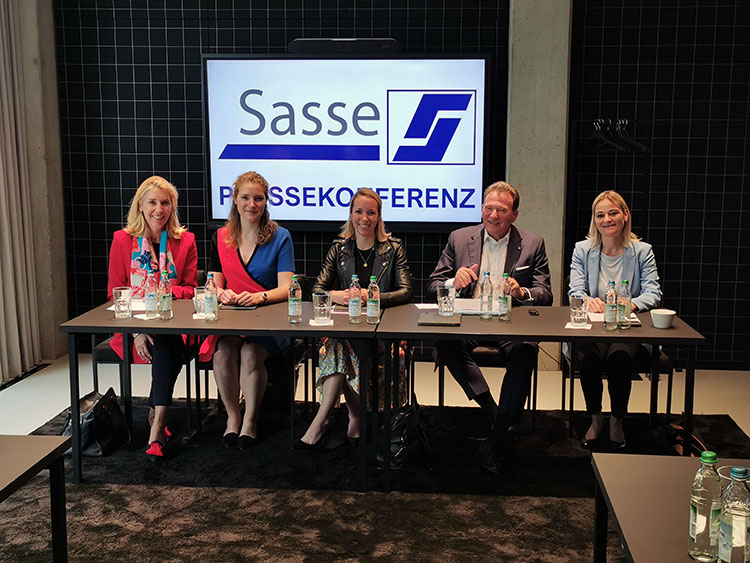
264 295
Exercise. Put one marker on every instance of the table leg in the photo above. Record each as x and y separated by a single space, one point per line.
292 395
387 401
127 386
75 410
198 412
57 511
572 388
687 432
600 526
364 382
308 348
654 403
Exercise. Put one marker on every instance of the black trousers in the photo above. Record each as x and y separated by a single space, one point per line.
519 358
618 361
167 358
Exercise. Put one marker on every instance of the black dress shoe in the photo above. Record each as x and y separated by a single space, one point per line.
488 457
244 442
229 439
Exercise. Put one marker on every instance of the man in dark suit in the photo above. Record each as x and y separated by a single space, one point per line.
495 246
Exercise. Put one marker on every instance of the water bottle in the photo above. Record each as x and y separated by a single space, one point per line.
485 298
504 299
734 544
165 297
373 302
295 301
705 511
623 306
212 301
610 306
150 291
355 301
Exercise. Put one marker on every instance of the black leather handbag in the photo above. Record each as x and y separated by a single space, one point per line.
103 426
409 443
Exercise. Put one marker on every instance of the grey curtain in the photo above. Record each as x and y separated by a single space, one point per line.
20 346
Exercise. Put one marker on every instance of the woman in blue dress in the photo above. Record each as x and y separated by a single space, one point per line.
252 261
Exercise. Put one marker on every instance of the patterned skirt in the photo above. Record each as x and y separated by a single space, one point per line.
339 356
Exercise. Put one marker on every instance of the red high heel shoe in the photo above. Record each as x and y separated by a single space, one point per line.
155 451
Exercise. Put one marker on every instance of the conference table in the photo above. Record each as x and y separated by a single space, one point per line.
547 324
648 497
534 324
270 320
25 456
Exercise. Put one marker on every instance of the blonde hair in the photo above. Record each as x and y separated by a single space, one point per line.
266 228
504 188
347 231
137 225
627 234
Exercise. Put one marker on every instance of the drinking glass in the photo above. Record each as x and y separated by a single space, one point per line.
579 311
123 297
199 302
321 307
446 301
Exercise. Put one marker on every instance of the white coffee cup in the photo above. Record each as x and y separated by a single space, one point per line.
662 318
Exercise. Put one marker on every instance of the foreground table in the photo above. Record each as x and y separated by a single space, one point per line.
25 456
648 497
270 320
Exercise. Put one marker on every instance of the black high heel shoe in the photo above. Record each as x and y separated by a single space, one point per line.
245 442
300 446
229 439
589 443
615 444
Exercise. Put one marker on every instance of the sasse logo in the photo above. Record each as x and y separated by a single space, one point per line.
441 131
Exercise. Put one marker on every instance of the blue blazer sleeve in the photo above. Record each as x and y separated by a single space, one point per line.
647 293
578 274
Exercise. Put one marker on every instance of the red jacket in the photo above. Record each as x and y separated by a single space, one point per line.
185 255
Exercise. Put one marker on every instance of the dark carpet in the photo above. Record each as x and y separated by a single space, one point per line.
269 503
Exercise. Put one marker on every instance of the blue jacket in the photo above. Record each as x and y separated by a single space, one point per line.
638 267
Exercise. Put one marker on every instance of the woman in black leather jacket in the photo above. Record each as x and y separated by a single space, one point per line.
366 249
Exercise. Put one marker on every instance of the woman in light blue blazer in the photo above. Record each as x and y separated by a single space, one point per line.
611 252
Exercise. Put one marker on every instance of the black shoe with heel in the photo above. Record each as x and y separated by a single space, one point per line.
229 439
245 442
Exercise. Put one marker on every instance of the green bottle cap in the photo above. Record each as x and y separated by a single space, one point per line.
373 278
708 457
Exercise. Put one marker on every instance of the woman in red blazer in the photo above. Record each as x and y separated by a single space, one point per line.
154 239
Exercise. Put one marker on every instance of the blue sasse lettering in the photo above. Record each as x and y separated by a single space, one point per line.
410 198
285 121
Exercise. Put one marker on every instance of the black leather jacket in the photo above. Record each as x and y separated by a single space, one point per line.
391 270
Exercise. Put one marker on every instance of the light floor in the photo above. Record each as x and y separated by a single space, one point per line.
30 403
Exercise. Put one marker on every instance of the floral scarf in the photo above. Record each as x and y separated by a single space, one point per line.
143 259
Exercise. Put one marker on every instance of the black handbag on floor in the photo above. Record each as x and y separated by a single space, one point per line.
103 426
409 443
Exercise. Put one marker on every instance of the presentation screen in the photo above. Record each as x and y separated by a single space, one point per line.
412 129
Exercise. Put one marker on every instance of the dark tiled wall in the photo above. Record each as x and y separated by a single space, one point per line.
130 103
678 72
